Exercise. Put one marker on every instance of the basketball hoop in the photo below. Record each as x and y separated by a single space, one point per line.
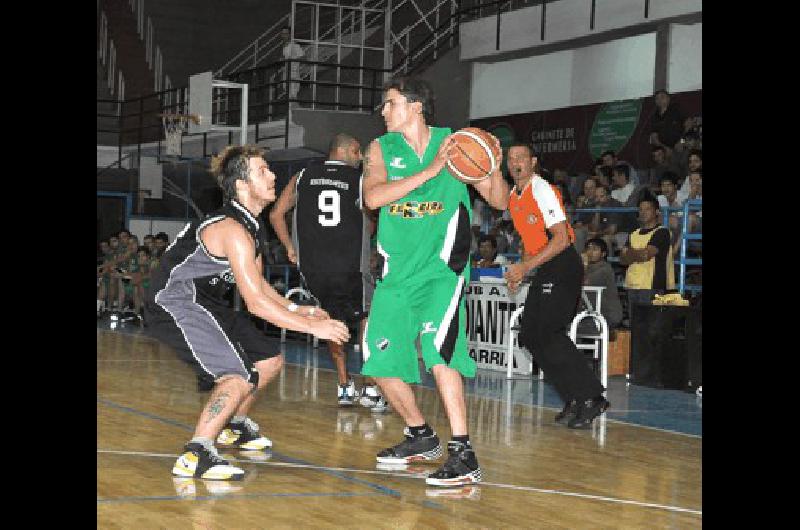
174 126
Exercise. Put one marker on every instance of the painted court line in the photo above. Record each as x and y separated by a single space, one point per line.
401 475
232 496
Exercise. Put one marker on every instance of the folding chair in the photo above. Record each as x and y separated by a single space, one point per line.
599 341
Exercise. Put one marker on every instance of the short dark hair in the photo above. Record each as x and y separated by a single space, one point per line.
625 170
670 176
526 145
648 197
124 230
487 237
144 249
163 237
341 141
606 171
148 235
598 242
233 164
609 152
697 152
658 148
414 89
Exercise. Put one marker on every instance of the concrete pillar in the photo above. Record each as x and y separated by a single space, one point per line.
660 79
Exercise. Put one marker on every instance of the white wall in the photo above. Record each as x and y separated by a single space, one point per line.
564 20
621 69
685 70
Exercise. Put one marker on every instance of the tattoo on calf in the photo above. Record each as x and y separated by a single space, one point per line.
217 406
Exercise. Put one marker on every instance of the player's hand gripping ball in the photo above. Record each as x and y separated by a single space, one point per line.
476 155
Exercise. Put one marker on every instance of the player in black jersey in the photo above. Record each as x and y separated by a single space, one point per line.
185 308
330 242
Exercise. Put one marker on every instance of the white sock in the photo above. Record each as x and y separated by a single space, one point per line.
205 442
238 419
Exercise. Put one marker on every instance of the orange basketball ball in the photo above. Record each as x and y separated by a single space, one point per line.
475 155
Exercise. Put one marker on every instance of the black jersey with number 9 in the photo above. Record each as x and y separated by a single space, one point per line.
330 228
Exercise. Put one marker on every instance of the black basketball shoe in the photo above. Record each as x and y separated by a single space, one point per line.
199 462
568 412
460 469
587 411
412 449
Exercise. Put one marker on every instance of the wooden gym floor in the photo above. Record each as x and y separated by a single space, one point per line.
322 470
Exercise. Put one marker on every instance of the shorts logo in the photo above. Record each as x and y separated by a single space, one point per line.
532 219
547 288
416 210
397 162
428 327
382 344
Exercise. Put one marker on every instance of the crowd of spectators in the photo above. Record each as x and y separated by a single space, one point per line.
123 272
674 175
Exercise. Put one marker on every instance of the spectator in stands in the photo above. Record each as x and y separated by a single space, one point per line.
291 50
628 195
598 273
161 242
141 278
488 251
666 127
500 236
660 165
150 242
694 162
648 256
580 221
669 191
605 224
623 187
611 161
603 176
103 278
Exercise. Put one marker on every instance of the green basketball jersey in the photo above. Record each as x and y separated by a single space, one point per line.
427 232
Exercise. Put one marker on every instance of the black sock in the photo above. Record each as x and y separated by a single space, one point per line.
464 440
422 430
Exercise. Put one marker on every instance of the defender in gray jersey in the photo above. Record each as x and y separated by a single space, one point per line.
185 308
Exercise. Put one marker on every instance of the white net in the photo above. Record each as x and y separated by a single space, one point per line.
174 125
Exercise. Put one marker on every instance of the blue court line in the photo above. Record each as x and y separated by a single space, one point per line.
382 489
231 496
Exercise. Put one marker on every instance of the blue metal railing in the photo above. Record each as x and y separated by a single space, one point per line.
691 204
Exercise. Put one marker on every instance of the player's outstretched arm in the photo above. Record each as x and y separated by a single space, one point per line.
270 292
378 191
238 247
277 216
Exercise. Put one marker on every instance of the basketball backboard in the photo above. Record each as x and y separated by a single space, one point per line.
200 87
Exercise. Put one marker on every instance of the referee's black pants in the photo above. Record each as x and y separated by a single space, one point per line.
549 309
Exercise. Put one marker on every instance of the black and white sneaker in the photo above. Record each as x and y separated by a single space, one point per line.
199 462
412 449
369 396
567 413
245 436
381 405
460 469
587 411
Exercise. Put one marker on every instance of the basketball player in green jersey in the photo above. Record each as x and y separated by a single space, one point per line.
424 240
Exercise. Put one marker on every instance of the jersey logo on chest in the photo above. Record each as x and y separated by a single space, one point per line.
416 210
397 162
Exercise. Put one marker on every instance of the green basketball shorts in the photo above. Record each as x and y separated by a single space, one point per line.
432 311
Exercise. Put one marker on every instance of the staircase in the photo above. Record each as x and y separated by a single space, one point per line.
130 50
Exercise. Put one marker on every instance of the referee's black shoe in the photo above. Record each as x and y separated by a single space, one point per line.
568 412
587 411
